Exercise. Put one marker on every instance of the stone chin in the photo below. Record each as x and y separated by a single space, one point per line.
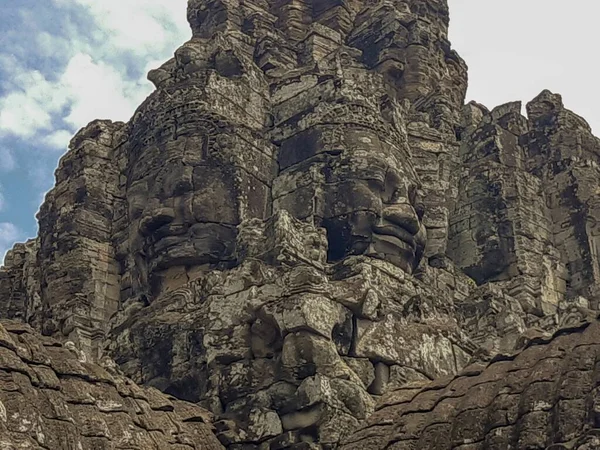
190 245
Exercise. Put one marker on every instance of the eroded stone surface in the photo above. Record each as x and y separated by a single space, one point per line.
304 216
306 344
304 107
51 398
541 397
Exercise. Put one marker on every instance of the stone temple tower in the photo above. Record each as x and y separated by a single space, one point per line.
304 221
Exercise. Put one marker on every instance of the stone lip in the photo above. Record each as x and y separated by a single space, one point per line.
404 237
400 237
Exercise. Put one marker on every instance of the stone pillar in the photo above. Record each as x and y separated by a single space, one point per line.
79 273
19 283
501 229
566 156
336 14
294 16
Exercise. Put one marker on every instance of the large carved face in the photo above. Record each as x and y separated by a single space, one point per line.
182 207
198 164
372 207
357 182
178 206
191 184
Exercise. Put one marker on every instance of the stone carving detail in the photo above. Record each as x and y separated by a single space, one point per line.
517 220
304 217
20 283
345 165
196 166
290 338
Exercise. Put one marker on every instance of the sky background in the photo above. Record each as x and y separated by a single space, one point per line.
64 63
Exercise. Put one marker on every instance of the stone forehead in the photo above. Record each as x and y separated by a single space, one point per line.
346 153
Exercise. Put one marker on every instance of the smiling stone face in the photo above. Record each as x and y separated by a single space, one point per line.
349 169
186 199
372 208
198 165
368 201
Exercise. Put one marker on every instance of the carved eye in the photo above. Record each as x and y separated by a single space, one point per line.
396 195
376 185
412 195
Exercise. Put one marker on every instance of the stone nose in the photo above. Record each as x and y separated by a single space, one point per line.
404 215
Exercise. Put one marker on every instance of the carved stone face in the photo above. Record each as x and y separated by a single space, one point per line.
191 184
357 181
373 208
183 207
198 165
182 204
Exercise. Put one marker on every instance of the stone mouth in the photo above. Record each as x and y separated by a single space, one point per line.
396 235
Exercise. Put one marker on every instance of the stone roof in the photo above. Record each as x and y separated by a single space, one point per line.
543 397
50 398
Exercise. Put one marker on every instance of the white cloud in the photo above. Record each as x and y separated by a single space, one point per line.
514 50
100 76
97 90
59 140
21 115
9 64
86 90
48 45
9 234
7 160
29 108
70 62
141 26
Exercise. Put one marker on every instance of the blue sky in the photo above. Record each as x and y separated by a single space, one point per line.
64 63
